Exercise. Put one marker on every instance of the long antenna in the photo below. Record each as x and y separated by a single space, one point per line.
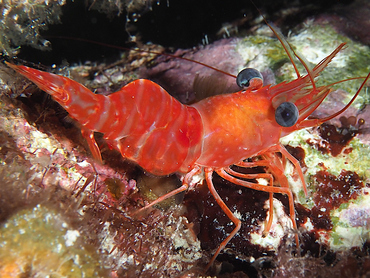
289 50
140 50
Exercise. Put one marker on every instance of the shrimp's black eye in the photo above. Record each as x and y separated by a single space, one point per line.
249 78
286 114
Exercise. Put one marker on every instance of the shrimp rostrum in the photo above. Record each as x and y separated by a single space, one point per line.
150 127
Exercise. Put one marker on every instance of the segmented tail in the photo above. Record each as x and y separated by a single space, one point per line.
141 120
78 100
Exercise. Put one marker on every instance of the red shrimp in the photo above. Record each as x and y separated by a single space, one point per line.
163 136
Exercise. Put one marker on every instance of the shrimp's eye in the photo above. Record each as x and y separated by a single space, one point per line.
249 78
286 114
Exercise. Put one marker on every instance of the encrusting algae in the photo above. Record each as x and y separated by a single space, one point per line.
39 242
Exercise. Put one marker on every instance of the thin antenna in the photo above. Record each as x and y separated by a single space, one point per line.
147 51
289 50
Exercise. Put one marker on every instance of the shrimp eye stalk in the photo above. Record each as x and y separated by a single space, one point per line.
249 78
286 114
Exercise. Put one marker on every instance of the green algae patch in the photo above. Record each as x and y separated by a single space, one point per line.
38 242
356 161
348 222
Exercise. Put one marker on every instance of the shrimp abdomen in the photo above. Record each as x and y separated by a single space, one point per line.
154 129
